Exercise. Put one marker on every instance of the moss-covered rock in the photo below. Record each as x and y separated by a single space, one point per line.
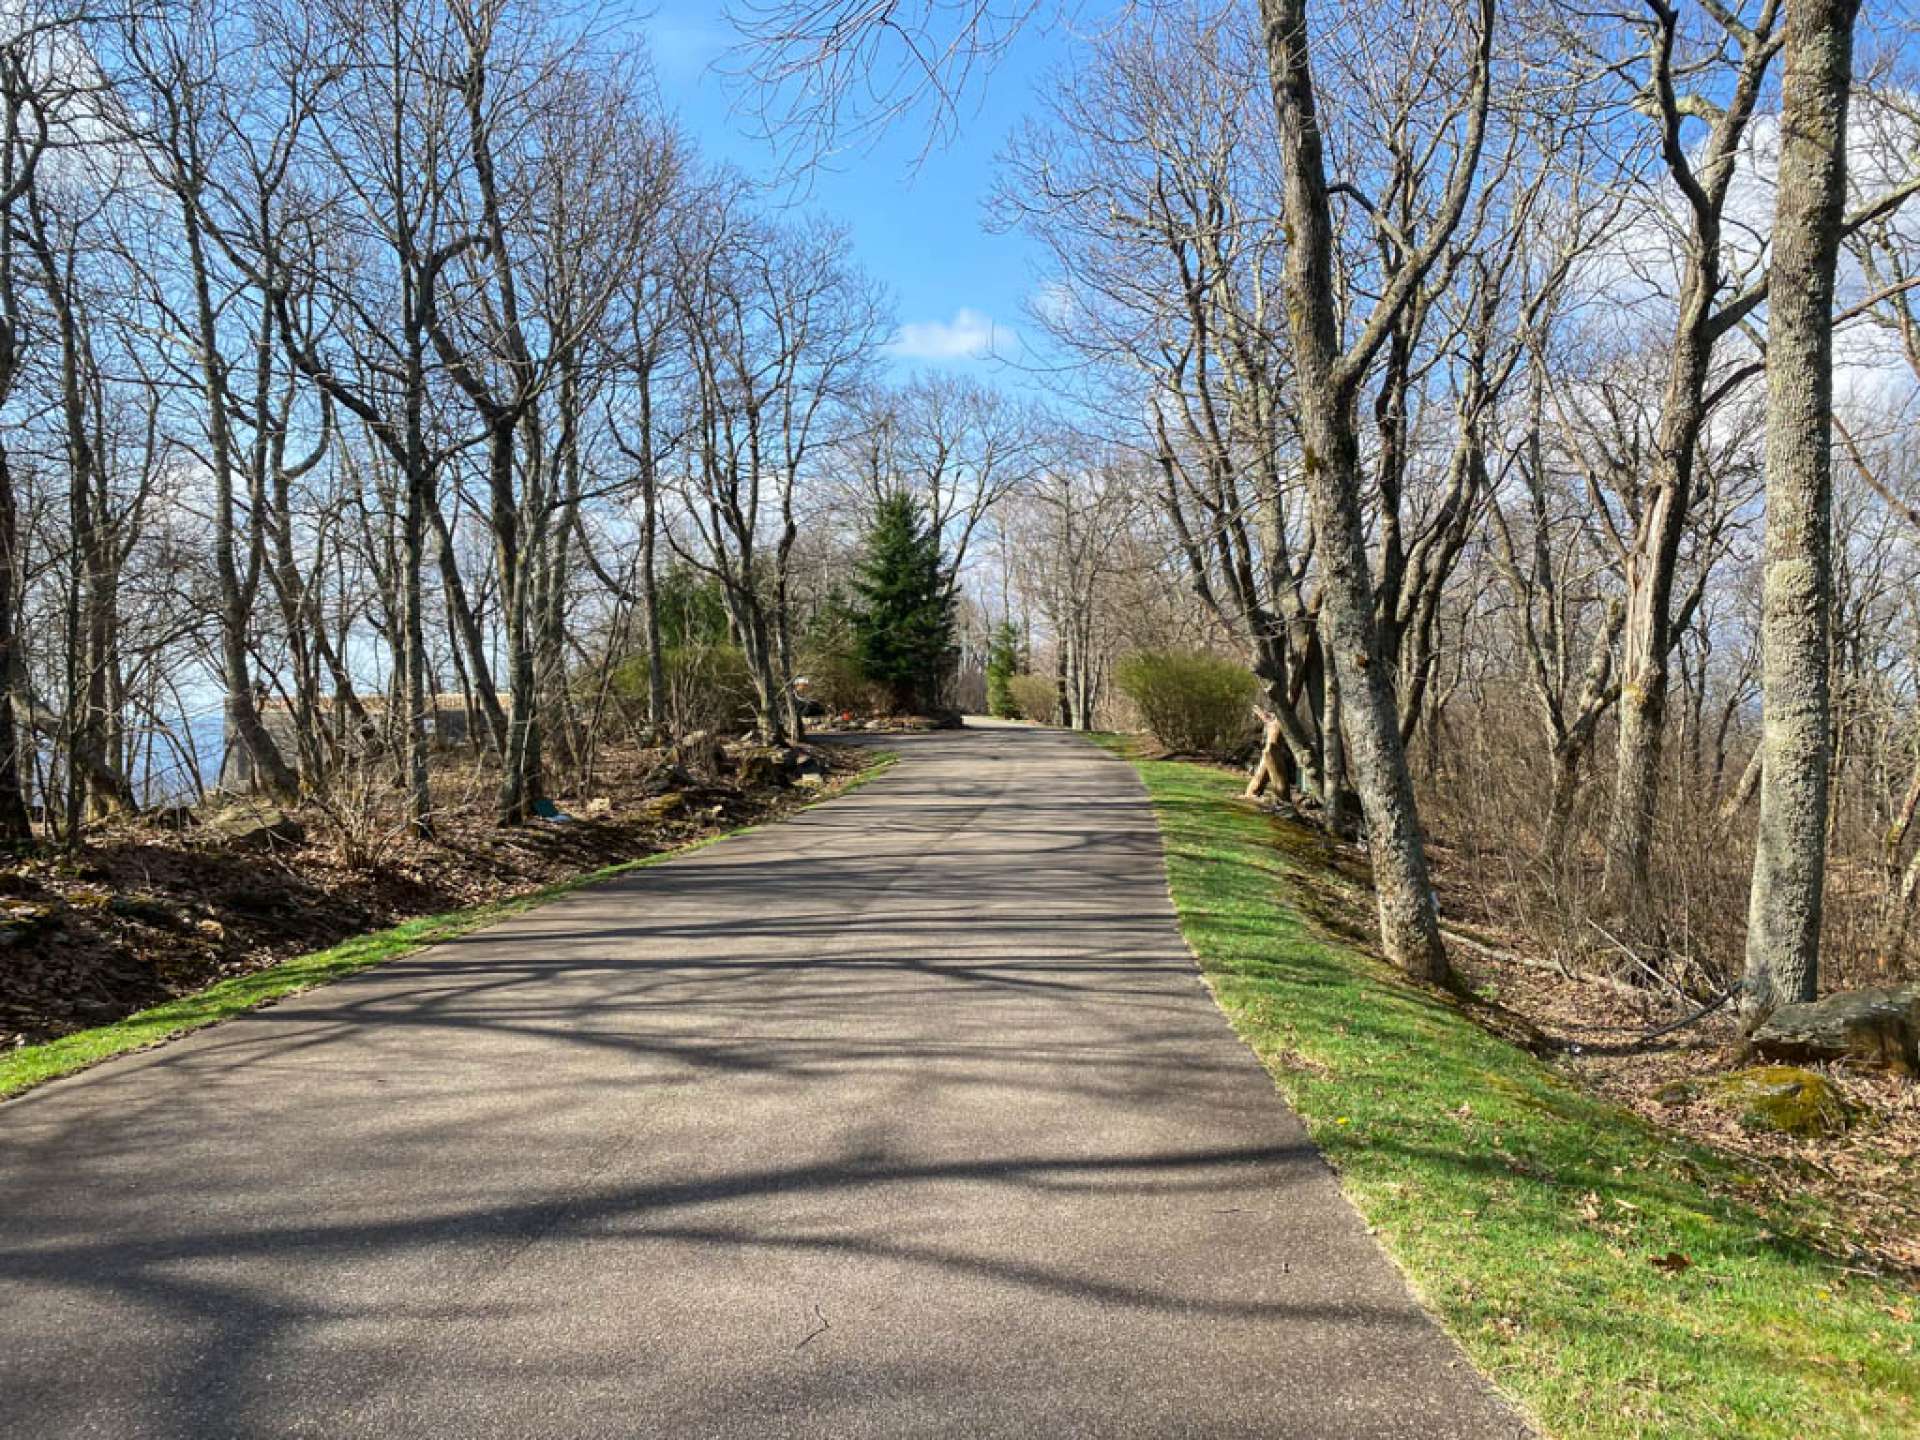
1782 1099
670 806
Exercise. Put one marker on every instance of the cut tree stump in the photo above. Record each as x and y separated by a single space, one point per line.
1876 1027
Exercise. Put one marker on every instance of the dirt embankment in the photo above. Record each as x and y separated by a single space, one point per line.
148 910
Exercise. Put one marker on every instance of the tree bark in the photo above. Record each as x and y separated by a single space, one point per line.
1647 638
16 825
466 625
1789 863
1337 793
649 567
1325 383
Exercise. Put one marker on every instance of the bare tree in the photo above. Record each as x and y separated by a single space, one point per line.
779 330
1328 373
24 114
1789 865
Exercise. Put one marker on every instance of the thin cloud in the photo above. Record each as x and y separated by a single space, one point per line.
970 335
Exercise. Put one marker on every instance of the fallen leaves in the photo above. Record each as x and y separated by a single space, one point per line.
1863 1181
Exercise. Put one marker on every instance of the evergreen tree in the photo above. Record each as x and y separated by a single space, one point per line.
903 621
1003 663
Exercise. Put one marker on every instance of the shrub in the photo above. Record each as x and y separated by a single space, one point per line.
1192 703
1035 697
835 683
709 687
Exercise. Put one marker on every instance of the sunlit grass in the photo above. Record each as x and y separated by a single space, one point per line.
1526 1213
30 1065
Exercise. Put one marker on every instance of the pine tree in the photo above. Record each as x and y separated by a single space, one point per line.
903 623
1003 663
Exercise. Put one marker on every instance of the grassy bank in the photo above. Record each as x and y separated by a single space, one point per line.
30 1065
1614 1280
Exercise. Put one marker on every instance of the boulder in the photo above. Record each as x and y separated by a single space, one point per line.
252 827
1874 1027
1781 1099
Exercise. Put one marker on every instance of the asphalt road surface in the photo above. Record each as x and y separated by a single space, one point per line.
909 1117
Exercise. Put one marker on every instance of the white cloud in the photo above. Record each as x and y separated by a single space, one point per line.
970 335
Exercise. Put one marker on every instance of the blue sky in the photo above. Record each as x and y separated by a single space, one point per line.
919 229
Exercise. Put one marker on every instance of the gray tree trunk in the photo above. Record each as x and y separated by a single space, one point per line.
1647 638
16 825
1337 795
649 574
1789 862
1325 387
466 624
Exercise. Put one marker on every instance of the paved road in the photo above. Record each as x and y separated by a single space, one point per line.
907 1118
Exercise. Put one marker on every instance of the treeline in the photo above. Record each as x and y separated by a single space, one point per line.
1476 364
1518 391
361 357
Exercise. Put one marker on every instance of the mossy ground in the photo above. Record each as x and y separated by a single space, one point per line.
1615 1280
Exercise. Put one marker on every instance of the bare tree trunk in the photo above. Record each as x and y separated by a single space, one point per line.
649 570
1647 638
16 825
1789 863
263 764
94 785
410 684
1325 385
1566 793
1337 793
520 765
1060 678
1702 171
467 626
412 681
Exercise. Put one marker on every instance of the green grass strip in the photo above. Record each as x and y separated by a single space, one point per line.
1525 1212
30 1065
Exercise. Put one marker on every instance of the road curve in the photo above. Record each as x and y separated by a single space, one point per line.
909 1117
